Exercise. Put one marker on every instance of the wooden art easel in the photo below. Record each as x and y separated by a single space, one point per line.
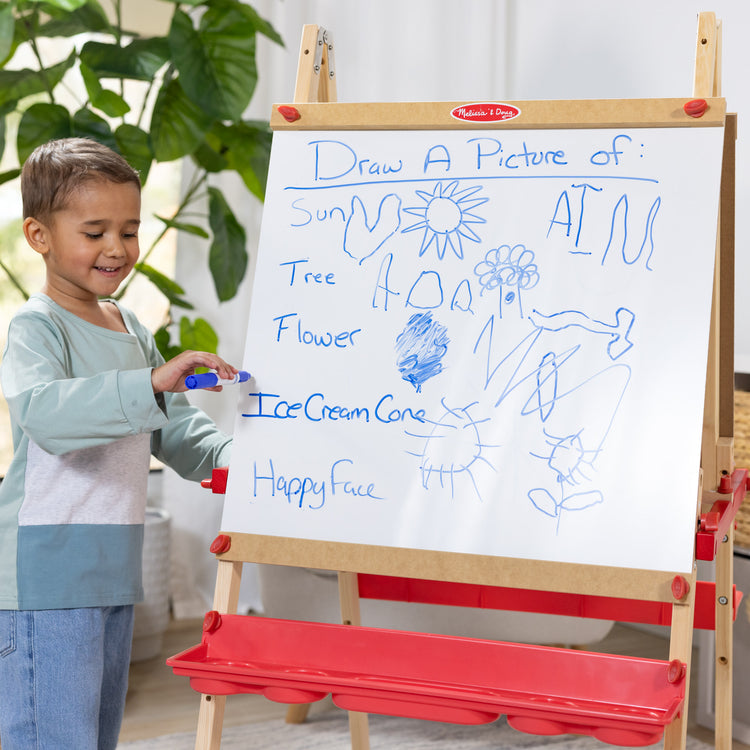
638 596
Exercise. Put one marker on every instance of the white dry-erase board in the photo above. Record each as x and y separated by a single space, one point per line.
483 339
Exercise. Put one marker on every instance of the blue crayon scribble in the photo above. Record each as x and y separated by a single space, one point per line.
421 347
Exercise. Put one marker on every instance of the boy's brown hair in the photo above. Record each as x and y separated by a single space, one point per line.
55 169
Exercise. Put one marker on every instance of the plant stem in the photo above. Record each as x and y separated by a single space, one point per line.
198 180
13 280
32 24
118 38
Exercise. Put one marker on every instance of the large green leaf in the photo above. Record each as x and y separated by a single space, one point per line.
184 227
216 62
169 288
66 5
7 29
40 123
246 148
18 84
135 146
209 158
87 18
86 124
198 335
11 174
162 338
227 256
140 60
4 125
260 24
177 124
109 102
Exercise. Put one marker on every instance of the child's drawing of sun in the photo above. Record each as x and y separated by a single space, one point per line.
446 217
453 450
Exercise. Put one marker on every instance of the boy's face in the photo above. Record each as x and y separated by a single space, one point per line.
91 244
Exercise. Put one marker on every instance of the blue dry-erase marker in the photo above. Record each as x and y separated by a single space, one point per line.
210 379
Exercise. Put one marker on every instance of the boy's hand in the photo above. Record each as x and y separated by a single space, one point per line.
171 375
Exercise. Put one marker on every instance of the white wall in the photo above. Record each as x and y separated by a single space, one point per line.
410 50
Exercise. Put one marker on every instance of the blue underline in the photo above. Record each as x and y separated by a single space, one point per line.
474 178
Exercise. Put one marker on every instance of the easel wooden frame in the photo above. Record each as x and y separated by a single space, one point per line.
316 86
717 455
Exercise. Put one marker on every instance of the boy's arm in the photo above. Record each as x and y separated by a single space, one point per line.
61 413
190 443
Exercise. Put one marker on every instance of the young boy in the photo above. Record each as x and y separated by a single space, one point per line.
90 399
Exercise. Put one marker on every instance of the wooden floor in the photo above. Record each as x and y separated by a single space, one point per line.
161 703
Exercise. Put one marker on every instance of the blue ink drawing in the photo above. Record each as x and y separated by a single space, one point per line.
361 240
445 218
568 459
421 347
453 449
548 373
618 331
509 269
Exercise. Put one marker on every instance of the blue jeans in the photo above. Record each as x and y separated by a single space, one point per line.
63 677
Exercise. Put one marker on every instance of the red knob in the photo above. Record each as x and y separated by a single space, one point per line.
680 587
291 114
222 543
725 484
675 671
695 107
211 621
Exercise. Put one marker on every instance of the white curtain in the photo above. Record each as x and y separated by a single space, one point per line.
467 50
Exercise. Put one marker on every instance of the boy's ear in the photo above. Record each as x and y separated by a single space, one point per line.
36 234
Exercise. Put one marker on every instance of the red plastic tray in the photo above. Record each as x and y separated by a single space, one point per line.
543 690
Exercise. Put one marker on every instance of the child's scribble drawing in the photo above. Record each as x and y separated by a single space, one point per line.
445 218
543 371
421 347
509 269
453 449
362 240
618 331
426 292
567 459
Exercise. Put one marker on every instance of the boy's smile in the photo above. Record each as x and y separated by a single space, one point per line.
90 245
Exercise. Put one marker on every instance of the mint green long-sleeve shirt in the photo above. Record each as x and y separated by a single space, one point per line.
85 421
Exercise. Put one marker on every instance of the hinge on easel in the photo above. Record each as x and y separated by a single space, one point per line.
324 43
315 73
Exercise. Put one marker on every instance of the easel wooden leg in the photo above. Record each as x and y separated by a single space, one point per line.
681 647
210 721
350 615
723 650
359 728
297 713
211 714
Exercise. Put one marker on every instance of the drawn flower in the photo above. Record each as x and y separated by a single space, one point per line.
509 269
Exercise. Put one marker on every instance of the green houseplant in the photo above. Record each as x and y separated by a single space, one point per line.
153 99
